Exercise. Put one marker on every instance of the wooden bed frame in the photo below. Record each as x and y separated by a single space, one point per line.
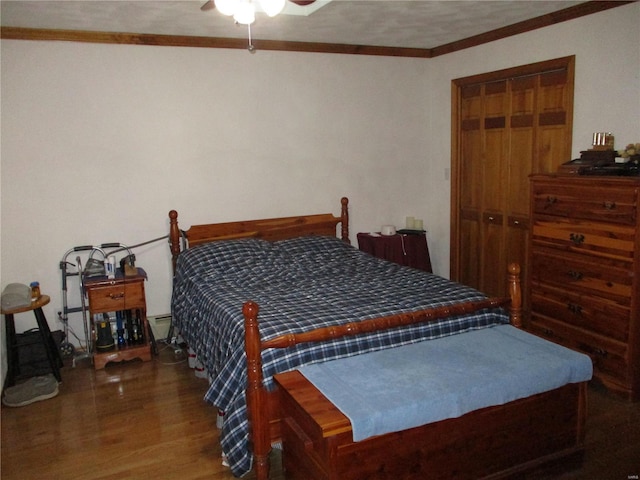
269 229
263 406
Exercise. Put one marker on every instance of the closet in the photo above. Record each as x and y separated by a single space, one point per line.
506 125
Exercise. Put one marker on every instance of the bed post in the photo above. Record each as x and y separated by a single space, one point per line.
515 292
257 407
174 238
344 223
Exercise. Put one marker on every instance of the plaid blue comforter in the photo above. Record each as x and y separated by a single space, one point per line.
299 284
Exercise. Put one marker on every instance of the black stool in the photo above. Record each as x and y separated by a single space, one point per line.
50 347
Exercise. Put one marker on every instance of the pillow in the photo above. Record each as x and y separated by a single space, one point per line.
312 244
223 255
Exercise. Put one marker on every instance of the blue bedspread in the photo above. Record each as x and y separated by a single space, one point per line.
299 284
410 386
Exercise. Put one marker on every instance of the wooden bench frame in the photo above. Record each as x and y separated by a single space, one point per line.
268 410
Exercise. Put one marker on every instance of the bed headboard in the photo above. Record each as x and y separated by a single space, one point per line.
269 229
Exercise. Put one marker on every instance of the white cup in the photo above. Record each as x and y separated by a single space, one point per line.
388 230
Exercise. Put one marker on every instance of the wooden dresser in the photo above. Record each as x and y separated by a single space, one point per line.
584 279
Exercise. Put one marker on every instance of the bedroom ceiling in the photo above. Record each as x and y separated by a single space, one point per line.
417 24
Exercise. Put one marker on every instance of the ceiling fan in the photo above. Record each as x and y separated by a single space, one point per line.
243 11
210 4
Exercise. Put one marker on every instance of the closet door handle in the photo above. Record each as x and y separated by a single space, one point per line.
576 238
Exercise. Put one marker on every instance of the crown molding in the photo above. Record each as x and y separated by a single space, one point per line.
587 8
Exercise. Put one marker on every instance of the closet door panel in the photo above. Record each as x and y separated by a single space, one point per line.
493 254
522 118
470 248
495 173
555 110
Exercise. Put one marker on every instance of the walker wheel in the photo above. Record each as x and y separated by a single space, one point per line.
67 349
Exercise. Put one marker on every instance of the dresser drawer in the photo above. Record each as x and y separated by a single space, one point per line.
581 274
602 204
594 314
609 356
121 296
595 239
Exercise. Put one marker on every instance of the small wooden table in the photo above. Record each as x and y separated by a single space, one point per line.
50 347
410 250
122 293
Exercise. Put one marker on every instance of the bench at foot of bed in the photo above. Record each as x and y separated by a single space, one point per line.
492 442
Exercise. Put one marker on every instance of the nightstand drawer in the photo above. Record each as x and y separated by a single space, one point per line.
121 296
602 204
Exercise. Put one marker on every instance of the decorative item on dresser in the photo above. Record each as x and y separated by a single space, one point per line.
585 271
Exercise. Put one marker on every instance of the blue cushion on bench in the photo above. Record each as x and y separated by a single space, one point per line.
409 386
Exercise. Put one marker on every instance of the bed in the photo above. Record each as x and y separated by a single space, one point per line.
253 298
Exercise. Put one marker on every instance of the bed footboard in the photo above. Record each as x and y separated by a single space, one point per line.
260 403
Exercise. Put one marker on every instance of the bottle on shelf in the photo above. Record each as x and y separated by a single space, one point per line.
120 330
104 340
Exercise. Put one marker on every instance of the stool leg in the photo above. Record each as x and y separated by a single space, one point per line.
12 351
53 354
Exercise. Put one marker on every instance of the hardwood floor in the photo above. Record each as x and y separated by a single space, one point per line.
148 420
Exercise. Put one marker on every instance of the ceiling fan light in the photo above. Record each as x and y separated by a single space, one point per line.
245 12
226 7
272 7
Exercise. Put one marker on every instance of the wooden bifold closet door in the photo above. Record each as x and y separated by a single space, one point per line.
506 125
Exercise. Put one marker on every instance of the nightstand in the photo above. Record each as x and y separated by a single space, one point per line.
410 250
124 294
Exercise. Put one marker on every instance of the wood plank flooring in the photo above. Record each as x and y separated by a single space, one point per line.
148 421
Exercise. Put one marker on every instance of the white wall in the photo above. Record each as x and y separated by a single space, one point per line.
99 142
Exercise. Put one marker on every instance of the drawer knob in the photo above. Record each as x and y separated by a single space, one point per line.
576 238
609 205
551 200
116 296
575 309
575 275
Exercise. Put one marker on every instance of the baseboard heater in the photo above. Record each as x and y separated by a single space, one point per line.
160 325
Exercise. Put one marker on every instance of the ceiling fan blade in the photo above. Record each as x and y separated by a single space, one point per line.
209 5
